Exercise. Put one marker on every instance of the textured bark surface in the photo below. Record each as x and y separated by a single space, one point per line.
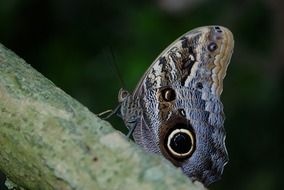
49 140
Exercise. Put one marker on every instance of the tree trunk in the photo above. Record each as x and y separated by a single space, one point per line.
49 140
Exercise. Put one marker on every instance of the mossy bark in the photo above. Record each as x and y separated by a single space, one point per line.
49 140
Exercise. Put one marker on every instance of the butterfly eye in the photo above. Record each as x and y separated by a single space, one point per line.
180 143
168 94
212 46
122 94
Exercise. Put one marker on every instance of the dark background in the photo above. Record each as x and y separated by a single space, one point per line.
76 43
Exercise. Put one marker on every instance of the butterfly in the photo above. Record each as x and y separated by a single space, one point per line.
175 110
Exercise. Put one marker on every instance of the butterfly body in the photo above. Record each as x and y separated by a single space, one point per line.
176 110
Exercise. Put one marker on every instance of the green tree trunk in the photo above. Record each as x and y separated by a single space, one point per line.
49 140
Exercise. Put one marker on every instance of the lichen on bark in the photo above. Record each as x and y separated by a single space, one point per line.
51 141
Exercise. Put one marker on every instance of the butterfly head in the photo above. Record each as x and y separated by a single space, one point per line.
124 98
122 95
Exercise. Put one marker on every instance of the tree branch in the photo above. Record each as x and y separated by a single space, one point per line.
50 141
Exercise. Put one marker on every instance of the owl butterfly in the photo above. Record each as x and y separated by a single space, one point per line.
175 109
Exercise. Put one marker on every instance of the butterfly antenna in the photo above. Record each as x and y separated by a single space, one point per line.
114 66
112 62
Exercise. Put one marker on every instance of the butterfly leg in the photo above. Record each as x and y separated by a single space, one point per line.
112 112
131 130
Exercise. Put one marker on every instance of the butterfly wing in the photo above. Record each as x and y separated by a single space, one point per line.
187 55
180 114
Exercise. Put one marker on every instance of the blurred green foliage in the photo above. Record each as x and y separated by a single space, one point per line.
76 43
